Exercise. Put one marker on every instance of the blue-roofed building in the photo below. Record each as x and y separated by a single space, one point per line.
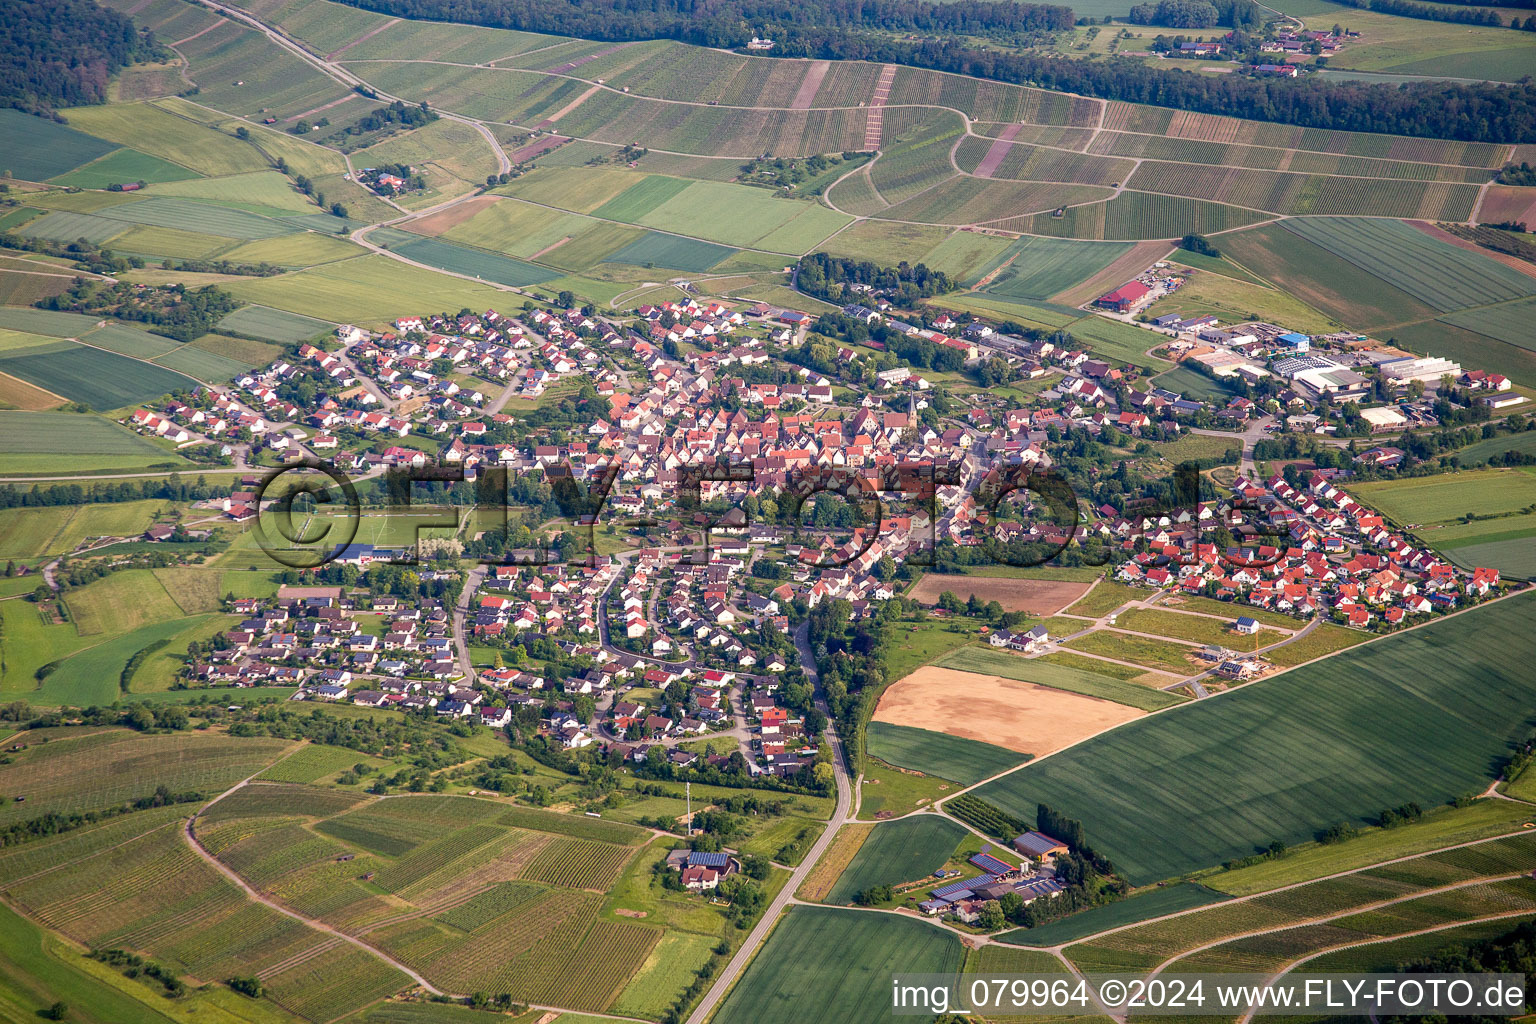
1294 342
1038 888
993 866
956 890
700 859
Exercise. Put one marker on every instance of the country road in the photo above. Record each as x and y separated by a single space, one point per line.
841 813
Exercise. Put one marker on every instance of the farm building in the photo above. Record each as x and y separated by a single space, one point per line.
1126 298
1039 846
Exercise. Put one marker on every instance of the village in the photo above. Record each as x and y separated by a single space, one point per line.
707 419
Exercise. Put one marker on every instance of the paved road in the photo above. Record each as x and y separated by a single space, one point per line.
841 814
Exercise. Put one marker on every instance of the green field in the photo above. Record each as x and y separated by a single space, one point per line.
1509 323
1425 716
1147 905
477 263
124 165
61 433
273 324
793 969
1037 268
1437 507
672 252
906 850
934 753
39 149
991 661
1443 275
102 380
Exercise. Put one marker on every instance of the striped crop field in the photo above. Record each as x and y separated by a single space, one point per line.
1389 731
1443 275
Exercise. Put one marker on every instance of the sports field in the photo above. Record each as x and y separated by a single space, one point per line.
934 753
1425 716
793 971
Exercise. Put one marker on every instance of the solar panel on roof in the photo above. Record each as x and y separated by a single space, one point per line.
954 889
708 860
990 864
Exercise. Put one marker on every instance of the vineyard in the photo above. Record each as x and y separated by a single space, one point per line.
578 864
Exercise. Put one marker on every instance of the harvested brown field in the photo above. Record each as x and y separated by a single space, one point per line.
18 394
834 862
539 148
440 223
1507 202
1140 256
1037 597
1021 716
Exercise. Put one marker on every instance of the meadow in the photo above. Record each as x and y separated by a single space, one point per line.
933 753
792 970
1427 716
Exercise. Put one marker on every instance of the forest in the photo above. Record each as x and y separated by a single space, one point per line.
1467 111
62 53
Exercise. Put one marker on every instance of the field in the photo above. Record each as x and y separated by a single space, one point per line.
100 379
120 602
990 660
1266 932
1390 731
1113 915
898 851
1446 276
39 149
1104 598
1038 597
672 252
1025 717
92 771
933 753
59 433
1037 268
1161 655
1201 629
1325 639
793 970
273 324
1477 517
